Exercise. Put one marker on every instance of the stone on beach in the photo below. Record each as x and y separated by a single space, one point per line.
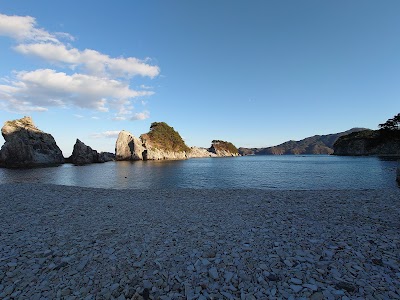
66 242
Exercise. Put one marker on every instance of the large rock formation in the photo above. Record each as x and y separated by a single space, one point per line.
163 142
223 148
26 146
317 144
82 155
128 147
369 142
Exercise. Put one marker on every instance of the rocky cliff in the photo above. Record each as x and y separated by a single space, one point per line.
27 146
369 142
128 147
82 155
317 144
223 148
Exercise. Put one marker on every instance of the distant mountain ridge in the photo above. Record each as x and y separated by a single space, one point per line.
317 144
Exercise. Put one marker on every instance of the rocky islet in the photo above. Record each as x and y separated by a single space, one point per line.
83 154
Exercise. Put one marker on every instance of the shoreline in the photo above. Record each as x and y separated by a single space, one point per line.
87 243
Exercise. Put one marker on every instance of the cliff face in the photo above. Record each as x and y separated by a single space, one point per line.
369 142
317 144
27 146
128 147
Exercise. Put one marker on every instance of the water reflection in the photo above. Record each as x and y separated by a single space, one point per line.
263 172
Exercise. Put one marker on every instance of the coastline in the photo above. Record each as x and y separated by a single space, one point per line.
86 243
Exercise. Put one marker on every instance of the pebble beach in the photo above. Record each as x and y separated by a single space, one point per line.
63 242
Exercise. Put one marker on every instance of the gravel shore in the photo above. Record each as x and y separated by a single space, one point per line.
62 242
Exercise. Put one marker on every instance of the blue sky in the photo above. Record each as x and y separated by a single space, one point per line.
256 73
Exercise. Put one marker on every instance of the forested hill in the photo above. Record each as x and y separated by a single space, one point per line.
317 144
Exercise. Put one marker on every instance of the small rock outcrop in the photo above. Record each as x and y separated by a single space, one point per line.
368 142
26 146
198 152
128 147
106 156
82 155
223 148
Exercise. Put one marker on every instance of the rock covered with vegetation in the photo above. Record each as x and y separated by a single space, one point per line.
128 147
369 142
385 141
163 142
223 148
27 146
82 155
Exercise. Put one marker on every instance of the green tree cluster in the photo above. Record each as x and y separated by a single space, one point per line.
391 124
163 136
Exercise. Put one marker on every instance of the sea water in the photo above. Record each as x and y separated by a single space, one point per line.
308 172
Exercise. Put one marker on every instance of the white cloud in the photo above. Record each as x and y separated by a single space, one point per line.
140 116
99 82
45 87
146 87
105 134
119 118
23 28
78 116
92 61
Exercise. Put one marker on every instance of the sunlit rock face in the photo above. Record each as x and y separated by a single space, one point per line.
128 147
27 146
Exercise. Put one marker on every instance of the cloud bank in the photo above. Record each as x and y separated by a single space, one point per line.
90 80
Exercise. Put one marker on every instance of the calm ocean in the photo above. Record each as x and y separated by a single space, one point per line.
310 172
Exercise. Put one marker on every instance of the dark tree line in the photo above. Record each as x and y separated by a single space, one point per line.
391 124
